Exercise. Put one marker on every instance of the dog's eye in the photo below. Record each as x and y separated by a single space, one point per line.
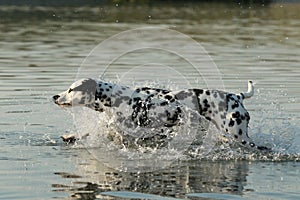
70 90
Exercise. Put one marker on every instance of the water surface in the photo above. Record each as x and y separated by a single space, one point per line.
42 49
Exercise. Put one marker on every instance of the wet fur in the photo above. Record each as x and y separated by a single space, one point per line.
158 108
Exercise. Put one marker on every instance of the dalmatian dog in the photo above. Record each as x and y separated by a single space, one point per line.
158 108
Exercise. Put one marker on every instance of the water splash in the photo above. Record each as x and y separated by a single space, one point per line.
108 139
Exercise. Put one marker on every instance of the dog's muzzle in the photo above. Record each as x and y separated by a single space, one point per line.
56 97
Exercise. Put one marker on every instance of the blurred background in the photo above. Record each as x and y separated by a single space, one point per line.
42 45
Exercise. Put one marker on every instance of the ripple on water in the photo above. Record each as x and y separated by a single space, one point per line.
42 48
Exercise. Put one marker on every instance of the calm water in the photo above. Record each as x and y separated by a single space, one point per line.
42 49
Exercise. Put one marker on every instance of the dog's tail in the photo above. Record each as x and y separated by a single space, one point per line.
250 91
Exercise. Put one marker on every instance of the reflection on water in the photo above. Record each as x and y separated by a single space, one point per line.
193 179
42 47
175 181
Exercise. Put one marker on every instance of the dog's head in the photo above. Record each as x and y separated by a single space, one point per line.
80 93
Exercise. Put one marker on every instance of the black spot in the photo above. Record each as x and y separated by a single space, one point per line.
244 142
130 101
208 118
247 116
207 92
169 97
145 88
157 90
226 130
238 97
149 105
104 96
164 103
236 114
135 99
107 104
205 101
238 121
200 108
107 89
235 105
198 92
147 92
105 83
236 136
240 132
70 90
178 110
138 90
263 148
231 123
110 87
101 90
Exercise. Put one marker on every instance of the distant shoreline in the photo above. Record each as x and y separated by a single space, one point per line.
103 2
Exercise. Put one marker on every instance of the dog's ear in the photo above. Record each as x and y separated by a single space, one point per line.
87 86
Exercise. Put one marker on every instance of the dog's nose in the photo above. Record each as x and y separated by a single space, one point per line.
55 97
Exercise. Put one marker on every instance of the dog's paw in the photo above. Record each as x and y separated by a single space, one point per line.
69 139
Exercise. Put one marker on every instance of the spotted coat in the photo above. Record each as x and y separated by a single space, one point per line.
155 108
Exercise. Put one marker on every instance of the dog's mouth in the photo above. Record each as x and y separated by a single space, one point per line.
55 99
63 104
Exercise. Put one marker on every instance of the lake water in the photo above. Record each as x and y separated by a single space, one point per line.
42 49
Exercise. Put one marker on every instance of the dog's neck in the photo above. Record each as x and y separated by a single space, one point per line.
104 92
